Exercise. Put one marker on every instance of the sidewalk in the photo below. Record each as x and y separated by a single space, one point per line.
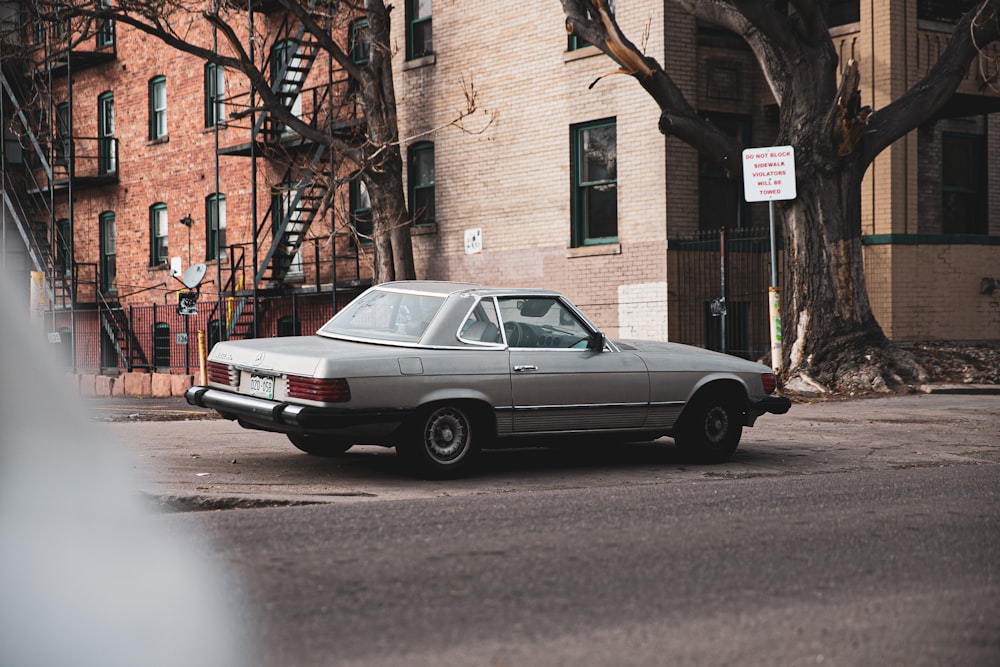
175 408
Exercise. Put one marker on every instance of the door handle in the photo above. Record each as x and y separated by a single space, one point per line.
524 367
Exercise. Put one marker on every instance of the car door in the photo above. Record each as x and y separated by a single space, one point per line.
557 383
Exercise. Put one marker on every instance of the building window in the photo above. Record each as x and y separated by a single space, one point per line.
963 184
289 326
576 42
418 33
288 67
158 107
422 183
105 27
63 145
107 146
361 212
360 44
215 90
161 346
64 246
945 11
842 12
158 234
720 199
109 264
594 157
286 220
215 226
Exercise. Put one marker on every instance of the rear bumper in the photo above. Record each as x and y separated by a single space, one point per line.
777 405
285 417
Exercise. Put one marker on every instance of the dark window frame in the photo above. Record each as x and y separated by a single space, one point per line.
107 153
215 85
214 215
419 31
158 253
161 346
157 114
582 189
359 42
109 251
361 213
422 191
968 199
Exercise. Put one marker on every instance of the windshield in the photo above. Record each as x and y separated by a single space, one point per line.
385 315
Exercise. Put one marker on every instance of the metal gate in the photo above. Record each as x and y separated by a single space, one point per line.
719 290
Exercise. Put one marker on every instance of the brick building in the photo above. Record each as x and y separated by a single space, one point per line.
498 200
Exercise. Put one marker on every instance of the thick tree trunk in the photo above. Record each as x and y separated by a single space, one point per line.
832 341
383 168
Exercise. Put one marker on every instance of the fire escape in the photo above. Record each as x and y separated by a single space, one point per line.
304 192
45 162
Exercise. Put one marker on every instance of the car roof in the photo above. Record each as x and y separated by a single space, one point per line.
445 288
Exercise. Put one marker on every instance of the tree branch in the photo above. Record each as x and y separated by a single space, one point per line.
979 27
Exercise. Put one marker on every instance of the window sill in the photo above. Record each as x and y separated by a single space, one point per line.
158 140
161 266
423 230
580 54
594 250
416 63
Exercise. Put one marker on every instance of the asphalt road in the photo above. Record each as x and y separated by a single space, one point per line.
843 533
873 567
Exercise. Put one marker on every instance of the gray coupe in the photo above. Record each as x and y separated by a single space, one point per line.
440 370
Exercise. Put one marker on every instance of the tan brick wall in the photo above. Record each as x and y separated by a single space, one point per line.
931 292
513 179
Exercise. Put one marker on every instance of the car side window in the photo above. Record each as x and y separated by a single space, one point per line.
482 325
543 322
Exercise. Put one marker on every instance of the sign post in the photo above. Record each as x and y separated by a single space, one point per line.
769 175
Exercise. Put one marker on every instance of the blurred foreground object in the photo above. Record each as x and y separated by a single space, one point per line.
89 578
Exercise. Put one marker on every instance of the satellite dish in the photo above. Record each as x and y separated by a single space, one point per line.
193 275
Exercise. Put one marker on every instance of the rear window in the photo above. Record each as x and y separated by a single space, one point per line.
385 315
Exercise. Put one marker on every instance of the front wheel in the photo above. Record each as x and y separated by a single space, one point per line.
710 429
319 445
442 443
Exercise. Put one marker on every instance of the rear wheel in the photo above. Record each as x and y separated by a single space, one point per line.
710 428
443 441
319 445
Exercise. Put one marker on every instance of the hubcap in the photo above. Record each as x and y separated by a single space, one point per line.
716 424
446 436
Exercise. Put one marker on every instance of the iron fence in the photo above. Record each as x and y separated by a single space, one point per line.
718 293
167 341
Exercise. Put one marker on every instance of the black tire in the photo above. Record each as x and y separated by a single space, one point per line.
443 442
318 445
710 428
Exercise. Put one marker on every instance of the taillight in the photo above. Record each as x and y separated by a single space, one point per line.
222 374
770 382
328 390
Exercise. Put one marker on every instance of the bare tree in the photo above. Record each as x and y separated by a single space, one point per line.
376 152
831 337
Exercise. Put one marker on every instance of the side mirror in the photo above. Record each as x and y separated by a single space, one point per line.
596 342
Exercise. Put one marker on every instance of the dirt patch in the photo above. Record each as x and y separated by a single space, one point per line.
957 362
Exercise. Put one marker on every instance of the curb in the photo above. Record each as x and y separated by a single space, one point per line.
983 389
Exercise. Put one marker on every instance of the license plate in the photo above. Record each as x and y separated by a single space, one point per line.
262 385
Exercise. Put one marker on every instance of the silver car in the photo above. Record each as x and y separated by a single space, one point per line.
440 370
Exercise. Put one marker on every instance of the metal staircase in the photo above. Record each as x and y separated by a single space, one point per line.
117 325
300 197
30 186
